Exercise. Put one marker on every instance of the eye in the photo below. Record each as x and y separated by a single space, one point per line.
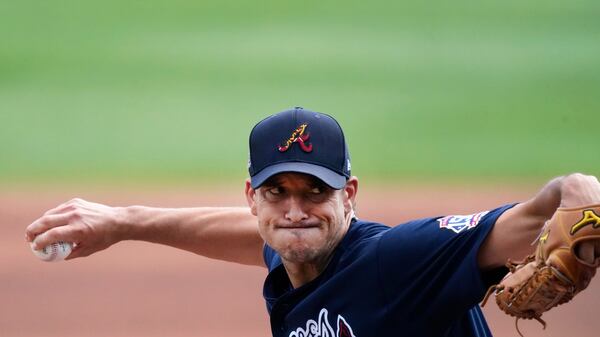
318 194
316 190
275 190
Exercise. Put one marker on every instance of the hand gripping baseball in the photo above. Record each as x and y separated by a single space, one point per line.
563 265
90 226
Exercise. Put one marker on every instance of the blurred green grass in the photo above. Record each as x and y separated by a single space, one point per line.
168 90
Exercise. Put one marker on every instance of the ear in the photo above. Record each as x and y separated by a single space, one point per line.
350 191
250 195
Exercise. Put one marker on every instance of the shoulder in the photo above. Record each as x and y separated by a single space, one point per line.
442 250
364 230
270 257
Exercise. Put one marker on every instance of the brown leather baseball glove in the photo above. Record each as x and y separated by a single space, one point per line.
555 272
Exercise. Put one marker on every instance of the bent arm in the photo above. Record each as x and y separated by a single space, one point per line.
516 229
224 233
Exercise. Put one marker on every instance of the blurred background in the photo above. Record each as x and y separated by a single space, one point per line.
447 107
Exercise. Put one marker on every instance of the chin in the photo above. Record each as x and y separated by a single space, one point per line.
297 256
299 253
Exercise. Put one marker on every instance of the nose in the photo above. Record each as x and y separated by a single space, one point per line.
295 211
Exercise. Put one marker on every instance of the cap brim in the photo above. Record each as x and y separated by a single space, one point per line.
329 177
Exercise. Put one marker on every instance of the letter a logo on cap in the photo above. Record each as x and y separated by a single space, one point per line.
299 137
323 153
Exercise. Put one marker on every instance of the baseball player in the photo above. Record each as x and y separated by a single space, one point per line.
333 274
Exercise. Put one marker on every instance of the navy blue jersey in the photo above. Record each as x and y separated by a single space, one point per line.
420 278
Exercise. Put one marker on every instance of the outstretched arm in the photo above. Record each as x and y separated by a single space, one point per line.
516 229
224 233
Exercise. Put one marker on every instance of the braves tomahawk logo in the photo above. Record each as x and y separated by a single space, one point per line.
322 328
298 136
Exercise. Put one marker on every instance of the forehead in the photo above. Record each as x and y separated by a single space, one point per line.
293 178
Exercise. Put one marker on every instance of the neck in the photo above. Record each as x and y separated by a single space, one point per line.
302 273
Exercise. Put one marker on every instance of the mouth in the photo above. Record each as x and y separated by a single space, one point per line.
297 226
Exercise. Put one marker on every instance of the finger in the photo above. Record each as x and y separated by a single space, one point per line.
80 252
62 208
61 233
47 222
77 251
585 251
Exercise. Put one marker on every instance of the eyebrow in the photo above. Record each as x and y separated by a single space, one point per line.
272 182
318 183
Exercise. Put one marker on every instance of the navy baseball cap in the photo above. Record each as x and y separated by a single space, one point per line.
302 141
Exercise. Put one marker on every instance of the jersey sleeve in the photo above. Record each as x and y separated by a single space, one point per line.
430 264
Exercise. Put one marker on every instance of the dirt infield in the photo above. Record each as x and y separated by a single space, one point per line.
139 289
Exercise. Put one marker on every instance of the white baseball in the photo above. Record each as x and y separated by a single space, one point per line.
55 252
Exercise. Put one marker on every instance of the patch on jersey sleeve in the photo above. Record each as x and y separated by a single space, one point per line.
458 223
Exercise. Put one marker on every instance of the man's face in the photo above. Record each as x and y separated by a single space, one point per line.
301 217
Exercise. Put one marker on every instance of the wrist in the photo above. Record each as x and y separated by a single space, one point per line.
125 228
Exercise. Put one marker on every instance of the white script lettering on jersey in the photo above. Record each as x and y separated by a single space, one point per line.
458 223
322 328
